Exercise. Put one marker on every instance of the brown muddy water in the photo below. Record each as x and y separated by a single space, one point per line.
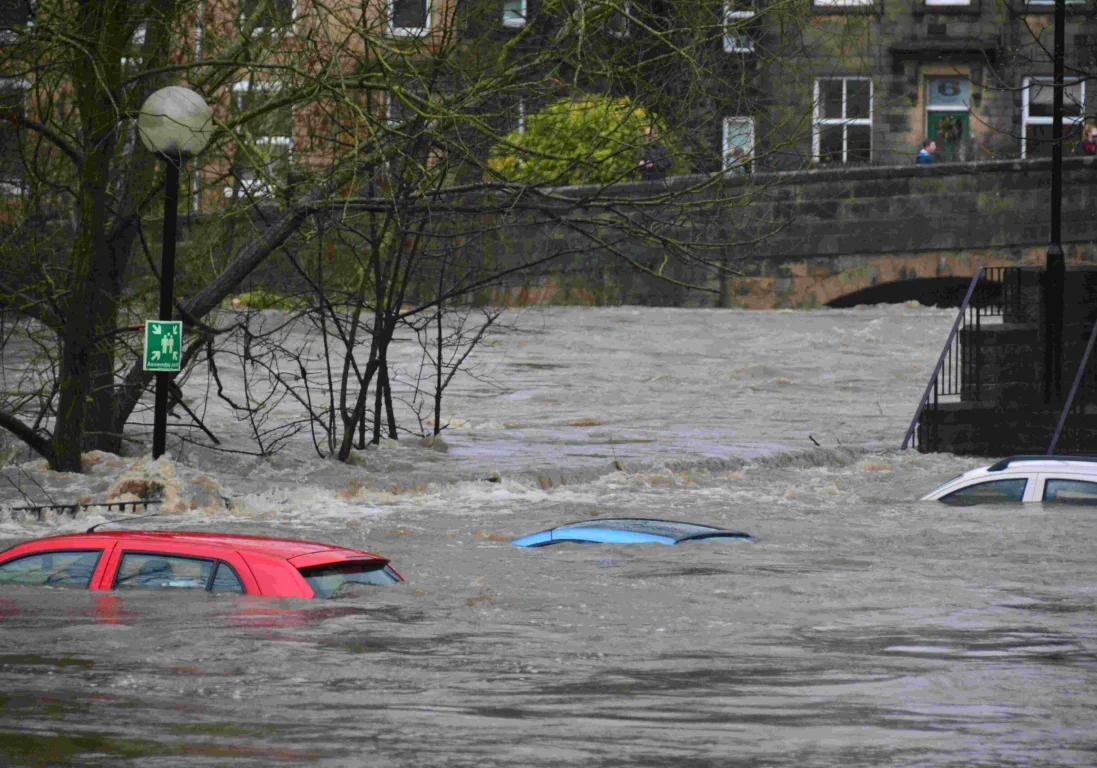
862 628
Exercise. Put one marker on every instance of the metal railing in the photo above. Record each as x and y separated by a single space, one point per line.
1084 382
40 509
992 292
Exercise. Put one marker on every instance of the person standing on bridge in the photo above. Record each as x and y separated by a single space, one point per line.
925 156
655 160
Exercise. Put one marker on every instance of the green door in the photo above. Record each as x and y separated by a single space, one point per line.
948 129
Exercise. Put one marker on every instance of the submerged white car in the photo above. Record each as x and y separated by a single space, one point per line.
1063 479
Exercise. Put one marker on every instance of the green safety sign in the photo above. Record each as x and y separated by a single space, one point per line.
163 344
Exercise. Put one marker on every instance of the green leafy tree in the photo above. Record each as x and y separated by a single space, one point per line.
590 139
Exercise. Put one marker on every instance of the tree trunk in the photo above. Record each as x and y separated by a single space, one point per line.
90 308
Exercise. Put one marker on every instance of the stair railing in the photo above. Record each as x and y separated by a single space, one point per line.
932 386
1073 391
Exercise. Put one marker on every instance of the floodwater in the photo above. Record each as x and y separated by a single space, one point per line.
863 628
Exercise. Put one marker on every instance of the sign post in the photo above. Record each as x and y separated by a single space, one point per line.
163 343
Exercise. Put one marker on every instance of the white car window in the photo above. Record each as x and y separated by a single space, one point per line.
1068 491
992 492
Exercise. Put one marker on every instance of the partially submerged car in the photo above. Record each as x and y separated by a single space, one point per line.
628 530
1063 479
215 562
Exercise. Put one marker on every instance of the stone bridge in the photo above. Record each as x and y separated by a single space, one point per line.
855 235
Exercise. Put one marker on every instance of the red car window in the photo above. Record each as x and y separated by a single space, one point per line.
52 568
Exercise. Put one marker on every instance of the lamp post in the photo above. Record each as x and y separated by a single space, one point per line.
174 123
1055 269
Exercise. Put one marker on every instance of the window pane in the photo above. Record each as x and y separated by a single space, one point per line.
830 144
61 569
1042 92
226 580
325 580
858 99
154 571
738 143
830 97
514 12
1070 491
998 491
859 144
949 92
409 14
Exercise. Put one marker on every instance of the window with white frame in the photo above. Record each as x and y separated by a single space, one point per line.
514 13
843 3
947 2
408 17
13 107
1037 119
269 15
738 142
516 116
737 17
843 120
261 164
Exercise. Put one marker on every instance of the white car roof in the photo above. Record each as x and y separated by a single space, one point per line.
1019 465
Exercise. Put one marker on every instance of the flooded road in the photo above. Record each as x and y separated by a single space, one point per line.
862 628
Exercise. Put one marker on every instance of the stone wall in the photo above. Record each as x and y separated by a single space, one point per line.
826 234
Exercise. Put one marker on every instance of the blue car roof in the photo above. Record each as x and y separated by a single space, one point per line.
628 530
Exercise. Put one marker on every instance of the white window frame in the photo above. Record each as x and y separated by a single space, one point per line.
519 22
730 17
737 120
137 39
1027 119
843 3
257 186
949 2
520 112
14 84
395 31
818 120
288 30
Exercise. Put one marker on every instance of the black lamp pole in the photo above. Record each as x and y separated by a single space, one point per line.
167 288
1055 273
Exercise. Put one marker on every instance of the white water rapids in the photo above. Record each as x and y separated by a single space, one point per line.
863 628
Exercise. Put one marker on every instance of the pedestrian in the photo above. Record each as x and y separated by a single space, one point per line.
737 163
1088 145
925 156
655 162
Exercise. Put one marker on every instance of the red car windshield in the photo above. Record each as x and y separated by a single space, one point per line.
326 580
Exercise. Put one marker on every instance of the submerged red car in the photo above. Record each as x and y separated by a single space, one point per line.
215 562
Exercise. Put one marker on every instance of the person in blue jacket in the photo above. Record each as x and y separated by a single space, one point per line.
925 156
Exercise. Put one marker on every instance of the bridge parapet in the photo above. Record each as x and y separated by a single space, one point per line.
817 237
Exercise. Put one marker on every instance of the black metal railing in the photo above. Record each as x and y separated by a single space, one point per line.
992 292
1081 391
40 509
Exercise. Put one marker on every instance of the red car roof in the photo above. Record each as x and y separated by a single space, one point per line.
283 548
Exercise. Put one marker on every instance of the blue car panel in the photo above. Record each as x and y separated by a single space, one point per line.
628 530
